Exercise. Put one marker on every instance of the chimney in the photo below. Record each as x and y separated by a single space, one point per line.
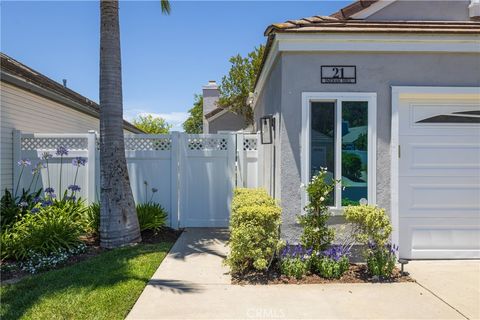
64 82
211 94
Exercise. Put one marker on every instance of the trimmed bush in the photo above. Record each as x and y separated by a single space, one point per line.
254 231
151 216
50 230
372 224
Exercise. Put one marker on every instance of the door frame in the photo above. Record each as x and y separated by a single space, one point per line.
399 92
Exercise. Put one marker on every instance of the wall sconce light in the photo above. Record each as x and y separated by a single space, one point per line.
267 125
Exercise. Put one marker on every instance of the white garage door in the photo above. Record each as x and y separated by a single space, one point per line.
439 178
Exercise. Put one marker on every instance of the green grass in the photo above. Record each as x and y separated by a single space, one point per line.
103 287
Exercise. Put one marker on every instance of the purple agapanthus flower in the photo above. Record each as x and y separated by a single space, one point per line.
34 210
47 203
23 204
24 163
39 166
79 161
72 198
74 188
37 200
49 190
62 151
46 156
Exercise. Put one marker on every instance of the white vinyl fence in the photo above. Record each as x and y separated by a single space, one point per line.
194 174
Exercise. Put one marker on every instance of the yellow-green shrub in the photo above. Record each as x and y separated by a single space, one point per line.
372 223
254 230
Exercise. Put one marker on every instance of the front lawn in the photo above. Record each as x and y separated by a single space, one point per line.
103 287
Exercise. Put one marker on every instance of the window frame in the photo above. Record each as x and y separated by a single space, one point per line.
338 98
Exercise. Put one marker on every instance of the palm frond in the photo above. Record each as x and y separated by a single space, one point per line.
165 4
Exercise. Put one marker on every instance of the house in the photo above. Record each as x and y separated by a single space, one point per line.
396 84
31 102
215 118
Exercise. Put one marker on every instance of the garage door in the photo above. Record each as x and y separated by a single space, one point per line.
439 178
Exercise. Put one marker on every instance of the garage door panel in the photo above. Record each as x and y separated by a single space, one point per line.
439 180
431 238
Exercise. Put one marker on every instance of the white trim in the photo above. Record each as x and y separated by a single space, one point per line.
339 97
374 8
364 42
399 92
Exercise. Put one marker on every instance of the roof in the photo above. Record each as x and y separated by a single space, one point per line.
214 112
341 22
18 74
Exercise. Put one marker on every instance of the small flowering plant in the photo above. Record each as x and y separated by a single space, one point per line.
295 260
381 259
316 233
331 263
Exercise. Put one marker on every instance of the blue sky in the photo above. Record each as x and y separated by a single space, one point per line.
166 59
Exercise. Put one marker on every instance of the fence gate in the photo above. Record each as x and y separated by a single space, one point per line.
206 179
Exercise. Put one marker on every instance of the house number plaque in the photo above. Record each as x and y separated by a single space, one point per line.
338 74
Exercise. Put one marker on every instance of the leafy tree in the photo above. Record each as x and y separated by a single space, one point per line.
151 124
240 81
194 123
351 166
118 217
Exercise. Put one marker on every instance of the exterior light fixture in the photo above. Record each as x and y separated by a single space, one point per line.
267 125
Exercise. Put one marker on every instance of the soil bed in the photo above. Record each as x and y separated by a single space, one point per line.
357 273
14 274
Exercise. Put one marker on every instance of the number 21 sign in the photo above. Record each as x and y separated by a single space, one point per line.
338 74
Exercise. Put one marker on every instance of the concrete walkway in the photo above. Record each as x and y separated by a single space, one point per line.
191 283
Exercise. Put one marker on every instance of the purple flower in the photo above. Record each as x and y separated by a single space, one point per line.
74 187
79 161
49 190
72 198
39 166
34 210
24 163
62 151
46 156
334 253
47 203
23 204
37 200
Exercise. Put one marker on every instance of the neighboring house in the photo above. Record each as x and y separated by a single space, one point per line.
217 119
406 74
33 103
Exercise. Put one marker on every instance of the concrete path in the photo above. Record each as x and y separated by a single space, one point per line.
191 283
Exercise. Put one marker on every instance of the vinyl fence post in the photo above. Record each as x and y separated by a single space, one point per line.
174 188
91 164
17 155
241 169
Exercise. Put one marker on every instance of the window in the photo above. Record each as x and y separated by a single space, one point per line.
339 130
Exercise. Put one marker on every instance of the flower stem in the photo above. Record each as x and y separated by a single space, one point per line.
60 180
18 182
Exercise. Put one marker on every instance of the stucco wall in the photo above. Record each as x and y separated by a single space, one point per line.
269 103
227 122
440 10
376 72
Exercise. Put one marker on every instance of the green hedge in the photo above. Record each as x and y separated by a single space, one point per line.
254 230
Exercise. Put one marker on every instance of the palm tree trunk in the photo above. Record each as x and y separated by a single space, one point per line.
118 218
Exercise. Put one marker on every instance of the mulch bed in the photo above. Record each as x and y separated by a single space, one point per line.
357 273
15 274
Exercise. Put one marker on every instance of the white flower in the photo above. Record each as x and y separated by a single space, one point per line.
322 198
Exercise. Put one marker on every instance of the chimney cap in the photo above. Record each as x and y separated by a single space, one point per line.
212 84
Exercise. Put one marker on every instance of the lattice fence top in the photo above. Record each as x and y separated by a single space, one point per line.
250 144
148 144
43 143
207 144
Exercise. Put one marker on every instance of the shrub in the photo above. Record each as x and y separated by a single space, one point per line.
373 228
371 223
332 263
295 261
381 260
14 208
51 229
316 234
254 226
151 216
